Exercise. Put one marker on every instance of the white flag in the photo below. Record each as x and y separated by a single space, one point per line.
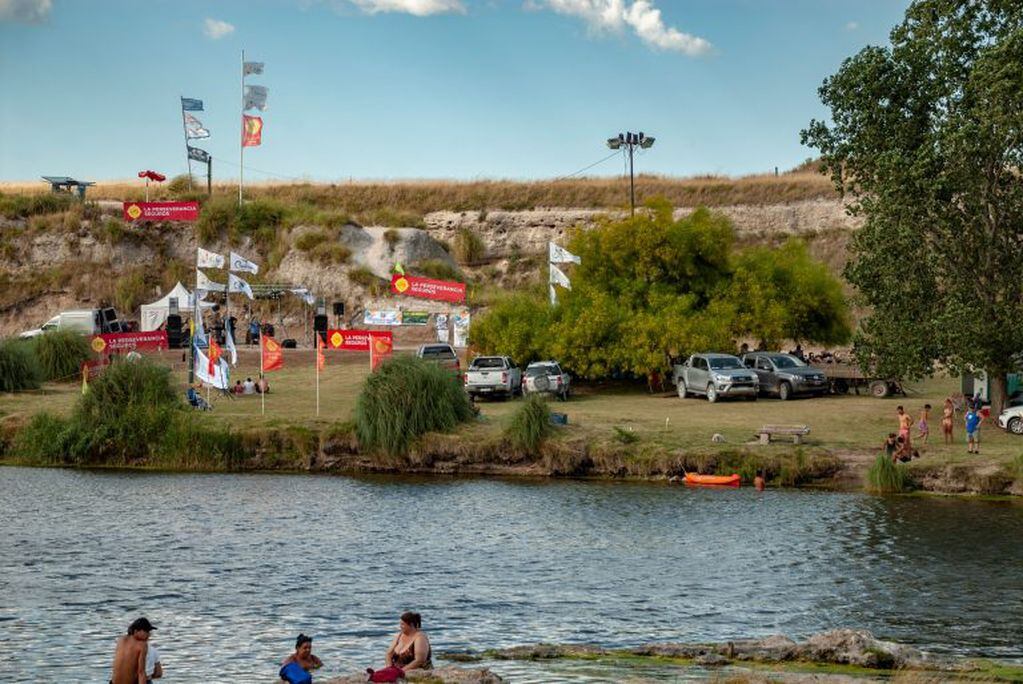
207 259
255 97
558 277
204 283
221 376
303 292
253 68
560 255
229 344
194 128
236 284
243 265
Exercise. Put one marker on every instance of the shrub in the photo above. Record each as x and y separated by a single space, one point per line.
887 477
531 424
363 276
18 367
332 253
405 398
392 237
41 441
130 290
60 354
435 268
180 185
260 214
125 385
24 206
310 241
625 436
469 247
217 217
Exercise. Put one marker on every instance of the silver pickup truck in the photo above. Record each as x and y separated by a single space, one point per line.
715 376
494 376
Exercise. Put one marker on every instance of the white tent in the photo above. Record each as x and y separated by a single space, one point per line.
154 315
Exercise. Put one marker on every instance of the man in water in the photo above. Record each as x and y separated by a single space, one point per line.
130 655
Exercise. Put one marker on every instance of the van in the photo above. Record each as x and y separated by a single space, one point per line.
84 321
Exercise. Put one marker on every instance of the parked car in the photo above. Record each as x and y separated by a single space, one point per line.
1011 419
442 354
84 321
546 377
715 376
496 376
785 374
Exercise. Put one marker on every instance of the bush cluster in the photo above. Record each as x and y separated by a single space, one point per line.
887 477
18 367
60 355
530 425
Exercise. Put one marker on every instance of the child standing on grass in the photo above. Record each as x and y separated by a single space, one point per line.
923 425
947 416
973 421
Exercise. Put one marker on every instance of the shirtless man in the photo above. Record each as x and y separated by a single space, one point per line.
130 656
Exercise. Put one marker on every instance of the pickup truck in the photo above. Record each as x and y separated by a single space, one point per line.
493 376
442 354
785 374
715 376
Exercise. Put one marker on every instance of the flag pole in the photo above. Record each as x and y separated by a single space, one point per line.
318 352
262 394
241 145
184 129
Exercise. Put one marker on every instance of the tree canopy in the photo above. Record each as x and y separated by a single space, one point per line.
925 139
652 286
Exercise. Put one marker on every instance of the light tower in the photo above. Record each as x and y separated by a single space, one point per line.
632 140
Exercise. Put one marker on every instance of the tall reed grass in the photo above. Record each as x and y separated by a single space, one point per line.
531 424
405 398
60 354
887 477
19 369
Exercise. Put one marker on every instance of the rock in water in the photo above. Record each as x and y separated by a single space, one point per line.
439 675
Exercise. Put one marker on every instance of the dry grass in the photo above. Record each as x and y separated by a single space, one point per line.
386 203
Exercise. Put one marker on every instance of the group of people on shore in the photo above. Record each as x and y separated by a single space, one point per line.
260 386
899 445
136 661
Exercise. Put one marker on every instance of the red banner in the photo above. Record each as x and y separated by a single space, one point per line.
380 349
118 343
253 131
428 288
161 211
354 340
273 356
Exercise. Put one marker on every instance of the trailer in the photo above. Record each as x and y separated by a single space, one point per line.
844 377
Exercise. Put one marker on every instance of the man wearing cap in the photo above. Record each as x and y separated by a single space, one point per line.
130 656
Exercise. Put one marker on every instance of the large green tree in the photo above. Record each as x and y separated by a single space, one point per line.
925 140
650 286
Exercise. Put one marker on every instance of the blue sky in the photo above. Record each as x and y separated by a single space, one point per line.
392 89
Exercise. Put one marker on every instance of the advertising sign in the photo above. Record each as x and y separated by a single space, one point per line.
415 317
354 340
385 317
119 343
428 288
161 211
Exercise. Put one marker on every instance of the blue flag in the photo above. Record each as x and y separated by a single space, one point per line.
190 104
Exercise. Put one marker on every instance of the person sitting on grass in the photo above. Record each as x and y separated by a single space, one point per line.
238 389
263 387
249 387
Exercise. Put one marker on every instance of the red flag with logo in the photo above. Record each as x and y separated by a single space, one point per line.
321 360
215 353
252 131
380 349
273 357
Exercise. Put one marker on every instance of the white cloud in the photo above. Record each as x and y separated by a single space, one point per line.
419 8
852 26
216 29
25 11
641 16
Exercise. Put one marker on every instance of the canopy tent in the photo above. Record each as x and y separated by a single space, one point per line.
154 315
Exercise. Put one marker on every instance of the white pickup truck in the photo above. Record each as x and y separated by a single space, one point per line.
495 376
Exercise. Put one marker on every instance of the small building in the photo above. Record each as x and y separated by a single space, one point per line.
71 186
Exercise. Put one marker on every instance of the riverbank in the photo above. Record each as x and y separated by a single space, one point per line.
613 431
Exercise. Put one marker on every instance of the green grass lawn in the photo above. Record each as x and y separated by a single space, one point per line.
849 425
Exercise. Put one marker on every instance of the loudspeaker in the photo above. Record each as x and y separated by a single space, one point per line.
339 308
114 327
109 315
175 340
320 325
289 344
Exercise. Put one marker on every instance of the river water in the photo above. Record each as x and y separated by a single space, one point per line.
230 568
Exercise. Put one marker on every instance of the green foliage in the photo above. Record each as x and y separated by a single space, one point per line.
887 477
651 286
60 355
131 290
530 425
179 185
923 140
25 206
435 268
468 247
364 277
221 216
18 367
310 241
624 436
392 237
405 398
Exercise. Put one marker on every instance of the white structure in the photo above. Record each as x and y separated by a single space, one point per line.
154 315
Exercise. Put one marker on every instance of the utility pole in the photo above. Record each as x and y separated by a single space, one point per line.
631 140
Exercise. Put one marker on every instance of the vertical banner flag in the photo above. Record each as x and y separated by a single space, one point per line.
198 155
229 344
240 264
558 277
204 283
255 97
236 284
321 360
253 131
191 104
560 255
206 259
273 357
215 354
194 128
380 348
216 375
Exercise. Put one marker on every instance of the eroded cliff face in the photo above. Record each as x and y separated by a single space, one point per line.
47 270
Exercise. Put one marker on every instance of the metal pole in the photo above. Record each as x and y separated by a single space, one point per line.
209 176
632 181
241 138
184 129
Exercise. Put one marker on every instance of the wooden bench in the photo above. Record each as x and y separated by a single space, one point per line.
794 431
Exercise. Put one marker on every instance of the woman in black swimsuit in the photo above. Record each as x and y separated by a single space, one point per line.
410 649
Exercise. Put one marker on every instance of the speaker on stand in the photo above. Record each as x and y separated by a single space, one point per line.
339 313
175 338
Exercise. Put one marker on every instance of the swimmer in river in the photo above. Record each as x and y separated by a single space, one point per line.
130 656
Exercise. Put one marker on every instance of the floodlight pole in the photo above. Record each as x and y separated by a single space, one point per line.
631 140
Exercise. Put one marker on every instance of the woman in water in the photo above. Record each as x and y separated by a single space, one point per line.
303 654
410 649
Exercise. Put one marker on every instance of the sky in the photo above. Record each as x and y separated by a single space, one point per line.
432 89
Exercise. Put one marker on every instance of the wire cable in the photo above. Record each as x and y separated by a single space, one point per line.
587 168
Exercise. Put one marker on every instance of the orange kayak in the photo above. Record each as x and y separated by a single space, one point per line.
713 480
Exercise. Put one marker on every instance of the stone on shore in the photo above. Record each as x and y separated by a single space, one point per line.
439 675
